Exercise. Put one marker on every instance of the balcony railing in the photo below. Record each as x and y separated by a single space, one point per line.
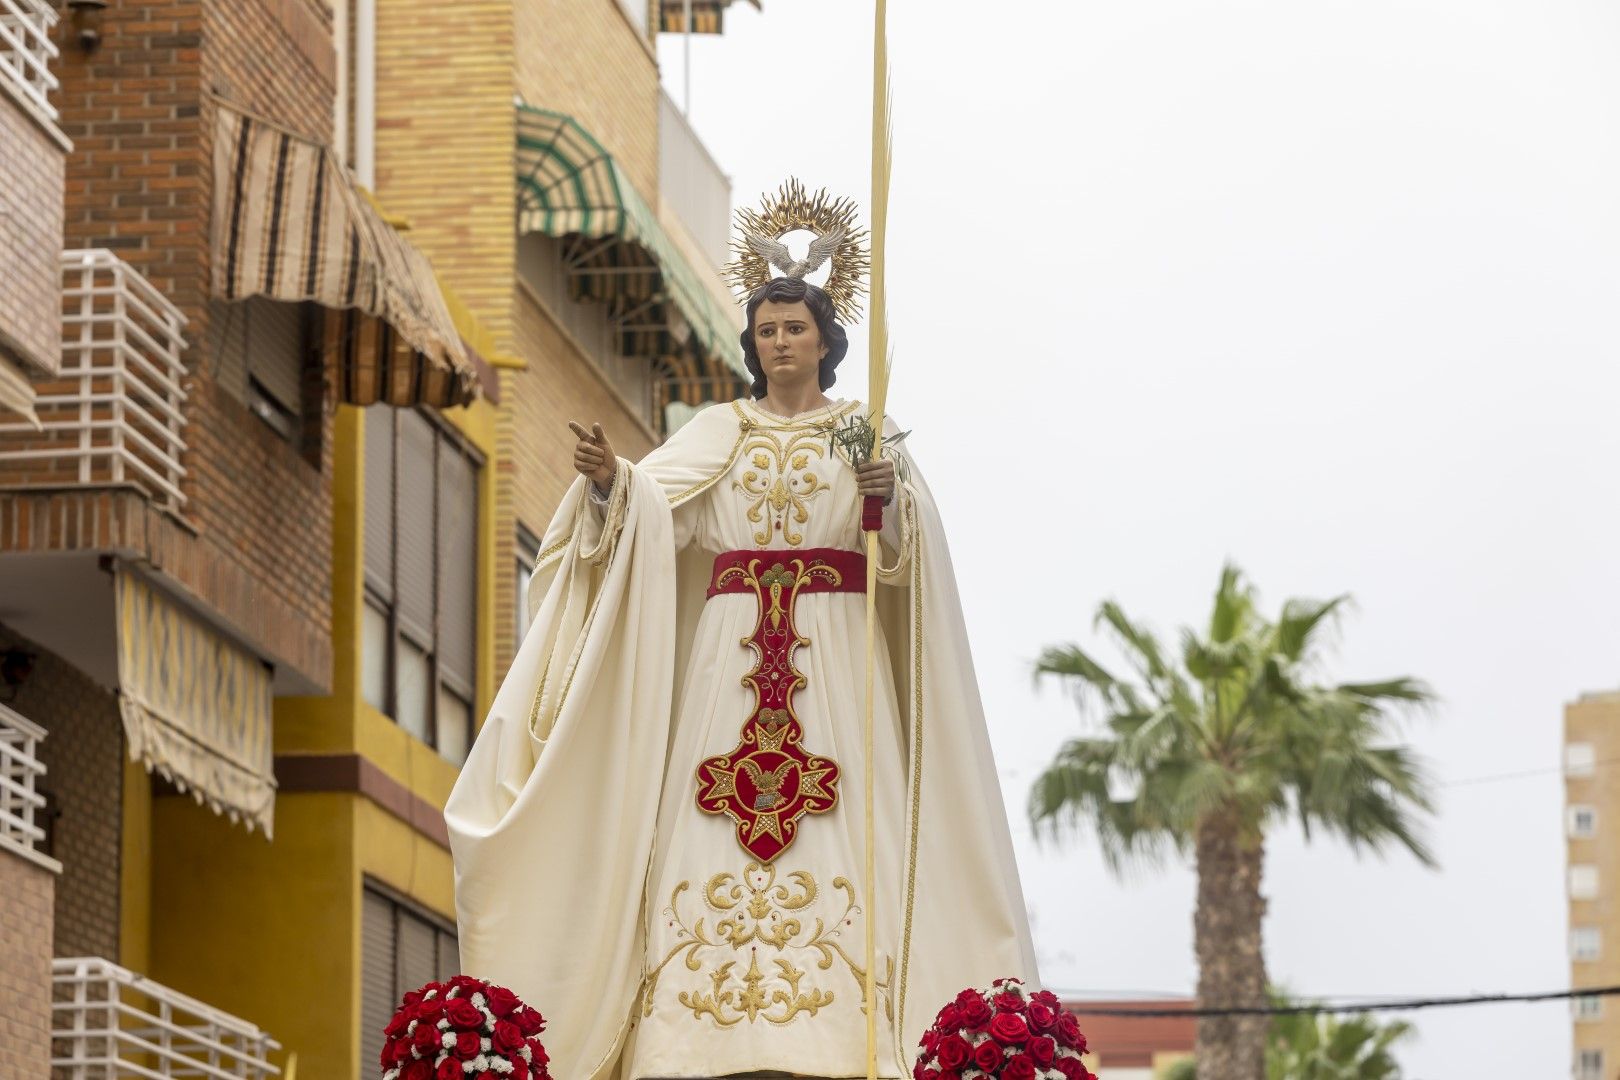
20 769
692 184
108 1022
26 50
113 416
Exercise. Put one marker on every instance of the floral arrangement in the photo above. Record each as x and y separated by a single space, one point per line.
464 1028
1005 1032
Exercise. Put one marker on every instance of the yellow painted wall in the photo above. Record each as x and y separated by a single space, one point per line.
135 870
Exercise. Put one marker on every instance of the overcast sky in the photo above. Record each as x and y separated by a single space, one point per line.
1328 288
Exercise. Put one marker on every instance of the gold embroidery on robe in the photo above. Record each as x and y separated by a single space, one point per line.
754 914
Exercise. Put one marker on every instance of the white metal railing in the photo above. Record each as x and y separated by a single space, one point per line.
691 183
26 50
108 1022
113 415
20 769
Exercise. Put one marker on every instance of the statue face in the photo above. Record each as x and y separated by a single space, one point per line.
787 340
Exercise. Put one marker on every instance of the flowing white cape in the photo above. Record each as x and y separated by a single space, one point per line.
553 818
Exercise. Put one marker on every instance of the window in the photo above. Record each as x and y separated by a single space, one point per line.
1585 944
401 947
1589 1065
1583 882
259 350
527 549
1582 822
1587 1008
421 556
1579 759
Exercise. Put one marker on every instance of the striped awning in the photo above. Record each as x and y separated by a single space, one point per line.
708 16
289 224
569 186
196 707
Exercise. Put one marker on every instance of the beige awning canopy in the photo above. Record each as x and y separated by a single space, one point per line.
289 224
196 707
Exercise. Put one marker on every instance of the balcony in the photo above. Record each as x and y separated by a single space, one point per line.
113 416
108 1022
26 50
20 770
691 185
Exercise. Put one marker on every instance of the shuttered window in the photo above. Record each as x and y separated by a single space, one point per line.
421 556
259 350
528 548
401 948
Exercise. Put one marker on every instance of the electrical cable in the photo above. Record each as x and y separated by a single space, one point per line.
1367 1006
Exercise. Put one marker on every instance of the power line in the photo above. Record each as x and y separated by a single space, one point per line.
1366 1006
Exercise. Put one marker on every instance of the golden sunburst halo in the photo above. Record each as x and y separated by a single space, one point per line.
789 210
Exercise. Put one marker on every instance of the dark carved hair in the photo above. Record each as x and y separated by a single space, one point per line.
787 290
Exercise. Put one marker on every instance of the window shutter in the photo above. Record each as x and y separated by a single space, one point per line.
418 952
228 331
276 350
378 998
379 525
449 955
458 567
415 485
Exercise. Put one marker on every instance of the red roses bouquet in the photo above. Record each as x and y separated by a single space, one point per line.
464 1028
1006 1033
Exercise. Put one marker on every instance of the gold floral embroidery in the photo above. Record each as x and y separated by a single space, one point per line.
754 913
780 483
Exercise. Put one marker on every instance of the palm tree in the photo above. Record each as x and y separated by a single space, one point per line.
1307 1046
1204 752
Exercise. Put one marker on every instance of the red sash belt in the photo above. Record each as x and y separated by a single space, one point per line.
811 569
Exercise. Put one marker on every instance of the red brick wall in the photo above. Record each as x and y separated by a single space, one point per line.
25 966
83 755
141 110
31 236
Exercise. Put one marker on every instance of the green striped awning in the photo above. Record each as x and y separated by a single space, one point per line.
569 186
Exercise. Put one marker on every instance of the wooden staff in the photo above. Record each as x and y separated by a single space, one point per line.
872 508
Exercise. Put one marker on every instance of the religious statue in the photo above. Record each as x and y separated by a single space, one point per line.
659 834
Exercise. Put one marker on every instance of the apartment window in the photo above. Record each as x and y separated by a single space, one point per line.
1582 822
421 554
1579 759
260 347
528 547
1589 1065
401 948
1583 882
1585 944
1587 1008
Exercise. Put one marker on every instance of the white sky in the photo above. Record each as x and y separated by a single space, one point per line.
1325 287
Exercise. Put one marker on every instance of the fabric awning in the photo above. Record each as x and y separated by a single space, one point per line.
289 224
16 391
196 707
708 16
569 186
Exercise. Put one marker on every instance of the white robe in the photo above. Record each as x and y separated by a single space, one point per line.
587 877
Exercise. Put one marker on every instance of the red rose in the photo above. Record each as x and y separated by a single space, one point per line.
930 1042
449 1069
508 1039
501 1001
387 1054
468 985
1041 1017
1047 998
987 1056
402 1051
467 1045
529 1020
966 996
520 1068
1018 1067
398 1024
1068 1032
974 1012
1009 1028
1043 1050
412 997
949 1018
417 1070
1007 1001
953 1051
464 1015
426 1038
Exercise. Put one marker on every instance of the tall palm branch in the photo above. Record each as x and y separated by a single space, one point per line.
1201 751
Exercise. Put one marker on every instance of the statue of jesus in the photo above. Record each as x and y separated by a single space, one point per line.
659 834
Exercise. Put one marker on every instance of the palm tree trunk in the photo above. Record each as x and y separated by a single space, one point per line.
1231 963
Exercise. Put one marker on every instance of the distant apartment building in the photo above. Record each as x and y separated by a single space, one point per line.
1591 805
1134 1047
